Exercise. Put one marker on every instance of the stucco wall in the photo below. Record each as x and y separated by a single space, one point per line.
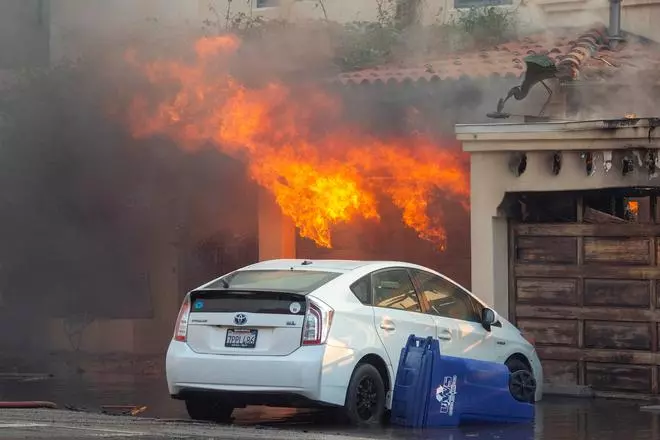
64 28
638 16
77 26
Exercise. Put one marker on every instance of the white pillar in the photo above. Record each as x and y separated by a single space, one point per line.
277 233
488 236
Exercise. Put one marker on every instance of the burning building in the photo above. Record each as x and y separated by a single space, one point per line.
360 165
321 169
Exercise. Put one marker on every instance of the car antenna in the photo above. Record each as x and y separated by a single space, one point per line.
304 263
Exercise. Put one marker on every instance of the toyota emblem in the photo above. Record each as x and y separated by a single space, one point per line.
240 319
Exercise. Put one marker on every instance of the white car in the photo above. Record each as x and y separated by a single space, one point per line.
328 333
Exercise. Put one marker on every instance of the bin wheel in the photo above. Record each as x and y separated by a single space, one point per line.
522 383
208 410
365 397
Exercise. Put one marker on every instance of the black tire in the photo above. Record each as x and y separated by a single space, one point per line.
365 397
208 410
522 383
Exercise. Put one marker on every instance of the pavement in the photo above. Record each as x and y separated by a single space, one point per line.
54 424
86 397
556 419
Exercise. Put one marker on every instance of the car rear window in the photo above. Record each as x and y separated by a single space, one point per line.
301 281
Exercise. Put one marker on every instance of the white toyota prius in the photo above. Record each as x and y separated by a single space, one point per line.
329 333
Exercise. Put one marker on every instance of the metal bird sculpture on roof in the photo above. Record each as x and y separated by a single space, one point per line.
539 68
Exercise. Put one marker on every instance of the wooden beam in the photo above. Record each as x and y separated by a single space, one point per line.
585 229
512 279
594 313
587 271
630 357
599 217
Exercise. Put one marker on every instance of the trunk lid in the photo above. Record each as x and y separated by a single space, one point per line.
246 321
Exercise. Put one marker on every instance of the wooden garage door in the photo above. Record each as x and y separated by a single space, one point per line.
589 295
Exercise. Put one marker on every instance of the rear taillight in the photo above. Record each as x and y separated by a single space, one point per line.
317 323
181 328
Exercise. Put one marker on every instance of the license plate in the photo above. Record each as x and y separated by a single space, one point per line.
241 338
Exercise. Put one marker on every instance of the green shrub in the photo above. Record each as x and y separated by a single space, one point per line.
366 44
487 25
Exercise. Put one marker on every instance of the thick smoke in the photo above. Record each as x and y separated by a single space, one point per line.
621 82
87 207
85 204
617 81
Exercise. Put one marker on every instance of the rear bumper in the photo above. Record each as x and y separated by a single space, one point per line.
247 379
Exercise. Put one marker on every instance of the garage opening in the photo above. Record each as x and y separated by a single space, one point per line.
583 282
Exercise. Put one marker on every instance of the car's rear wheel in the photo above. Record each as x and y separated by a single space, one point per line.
522 383
365 397
208 409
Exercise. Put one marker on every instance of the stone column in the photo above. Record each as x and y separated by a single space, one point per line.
153 335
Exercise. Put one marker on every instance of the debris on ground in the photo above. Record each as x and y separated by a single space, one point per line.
123 410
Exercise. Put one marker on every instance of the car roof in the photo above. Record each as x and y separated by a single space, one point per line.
338 266
341 266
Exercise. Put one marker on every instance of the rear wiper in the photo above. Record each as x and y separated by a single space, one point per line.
225 284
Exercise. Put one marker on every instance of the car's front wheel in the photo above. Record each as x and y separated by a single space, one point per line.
208 409
522 383
365 397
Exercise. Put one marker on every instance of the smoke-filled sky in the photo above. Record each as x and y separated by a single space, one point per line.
139 142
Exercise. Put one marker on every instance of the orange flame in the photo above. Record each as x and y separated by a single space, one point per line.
633 207
319 179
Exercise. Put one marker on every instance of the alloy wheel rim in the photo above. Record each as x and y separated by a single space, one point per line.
367 398
522 385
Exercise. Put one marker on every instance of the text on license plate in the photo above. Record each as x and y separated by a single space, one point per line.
241 338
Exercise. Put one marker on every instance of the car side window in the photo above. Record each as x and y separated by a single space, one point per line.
362 290
445 298
393 289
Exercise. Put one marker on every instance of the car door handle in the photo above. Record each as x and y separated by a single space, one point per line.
387 325
444 334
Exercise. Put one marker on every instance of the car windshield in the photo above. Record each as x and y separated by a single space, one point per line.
301 281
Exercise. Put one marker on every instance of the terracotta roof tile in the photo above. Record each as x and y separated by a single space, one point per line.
634 59
578 55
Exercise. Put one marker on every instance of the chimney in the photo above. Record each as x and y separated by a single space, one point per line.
614 31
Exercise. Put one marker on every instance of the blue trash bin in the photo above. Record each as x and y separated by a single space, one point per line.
413 379
470 391
432 390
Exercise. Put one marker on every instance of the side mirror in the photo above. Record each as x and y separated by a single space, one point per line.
488 318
